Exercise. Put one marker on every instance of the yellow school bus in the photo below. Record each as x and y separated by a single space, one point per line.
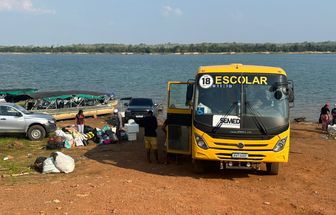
236 115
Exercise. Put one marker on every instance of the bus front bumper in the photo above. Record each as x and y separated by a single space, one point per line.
255 151
241 156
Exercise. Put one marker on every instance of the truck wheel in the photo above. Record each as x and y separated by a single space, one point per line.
198 166
36 132
272 168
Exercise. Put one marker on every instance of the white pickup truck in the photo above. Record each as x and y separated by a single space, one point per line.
16 119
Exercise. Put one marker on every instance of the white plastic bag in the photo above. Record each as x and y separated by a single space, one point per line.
332 129
64 163
78 141
49 166
61 133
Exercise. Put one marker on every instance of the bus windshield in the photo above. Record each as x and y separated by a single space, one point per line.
253 103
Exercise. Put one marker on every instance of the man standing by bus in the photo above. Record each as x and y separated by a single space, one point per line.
150 137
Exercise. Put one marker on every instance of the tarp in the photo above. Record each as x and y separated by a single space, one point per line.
16 92
51 96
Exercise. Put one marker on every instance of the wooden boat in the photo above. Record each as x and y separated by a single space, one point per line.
66 104
70 113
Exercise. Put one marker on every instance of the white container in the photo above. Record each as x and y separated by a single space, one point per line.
132 128
132 136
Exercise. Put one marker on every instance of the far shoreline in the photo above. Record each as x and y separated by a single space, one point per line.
154 53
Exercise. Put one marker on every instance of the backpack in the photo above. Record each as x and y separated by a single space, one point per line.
55 143
114 121
122 135
90 135
106 128
88 129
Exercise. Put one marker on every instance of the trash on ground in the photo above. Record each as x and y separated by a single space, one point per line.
56 163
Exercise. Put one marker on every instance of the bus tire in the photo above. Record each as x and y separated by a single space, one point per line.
272 168
198 166
36 133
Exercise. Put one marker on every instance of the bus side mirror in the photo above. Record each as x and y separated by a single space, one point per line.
291 91
189 94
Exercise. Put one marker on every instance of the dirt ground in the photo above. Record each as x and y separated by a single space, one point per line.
116 179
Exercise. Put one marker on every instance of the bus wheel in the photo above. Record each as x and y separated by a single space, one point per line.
198 166
272 168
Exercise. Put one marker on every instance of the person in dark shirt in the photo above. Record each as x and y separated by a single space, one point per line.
80 121
333 113
150 138
325 111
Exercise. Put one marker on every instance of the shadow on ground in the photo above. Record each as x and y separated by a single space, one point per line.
131 155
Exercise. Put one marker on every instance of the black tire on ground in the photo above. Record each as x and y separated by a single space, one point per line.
36 133
198 166
272 168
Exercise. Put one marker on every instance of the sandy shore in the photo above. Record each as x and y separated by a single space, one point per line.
116 179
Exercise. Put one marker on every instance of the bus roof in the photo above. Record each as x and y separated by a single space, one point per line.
240 68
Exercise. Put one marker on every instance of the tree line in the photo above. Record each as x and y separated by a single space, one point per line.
169 48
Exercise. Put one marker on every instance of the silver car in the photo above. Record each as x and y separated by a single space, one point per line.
16 119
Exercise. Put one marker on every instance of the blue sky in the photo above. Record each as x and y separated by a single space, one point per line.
61 22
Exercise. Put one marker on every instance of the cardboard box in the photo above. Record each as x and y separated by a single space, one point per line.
132 136
132 128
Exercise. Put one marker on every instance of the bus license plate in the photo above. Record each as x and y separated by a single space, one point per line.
239 155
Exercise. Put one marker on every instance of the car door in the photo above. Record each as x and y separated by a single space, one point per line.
11 120
178 119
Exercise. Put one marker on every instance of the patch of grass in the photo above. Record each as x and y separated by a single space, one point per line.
20 154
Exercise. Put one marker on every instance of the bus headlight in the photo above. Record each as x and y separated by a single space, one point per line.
200 142
280 145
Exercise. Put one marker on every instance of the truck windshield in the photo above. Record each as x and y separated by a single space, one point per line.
141 102
20 108
240 103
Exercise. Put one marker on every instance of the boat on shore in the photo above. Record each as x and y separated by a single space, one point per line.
8 95
66 104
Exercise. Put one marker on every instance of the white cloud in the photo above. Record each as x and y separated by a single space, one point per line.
170 11
23 6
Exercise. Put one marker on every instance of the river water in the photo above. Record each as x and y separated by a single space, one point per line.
314 75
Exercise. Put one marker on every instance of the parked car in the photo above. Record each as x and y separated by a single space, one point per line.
16 119
138 108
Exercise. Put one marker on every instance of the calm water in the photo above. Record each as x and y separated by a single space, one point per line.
147 75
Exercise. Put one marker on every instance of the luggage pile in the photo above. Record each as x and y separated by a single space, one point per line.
106 135
68 137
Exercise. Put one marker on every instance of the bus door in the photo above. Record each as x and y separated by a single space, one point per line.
178 119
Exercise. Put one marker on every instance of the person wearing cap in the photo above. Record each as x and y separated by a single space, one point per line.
325 118
333 114
116 119
150 138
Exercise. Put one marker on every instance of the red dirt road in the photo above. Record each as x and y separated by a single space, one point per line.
116 179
